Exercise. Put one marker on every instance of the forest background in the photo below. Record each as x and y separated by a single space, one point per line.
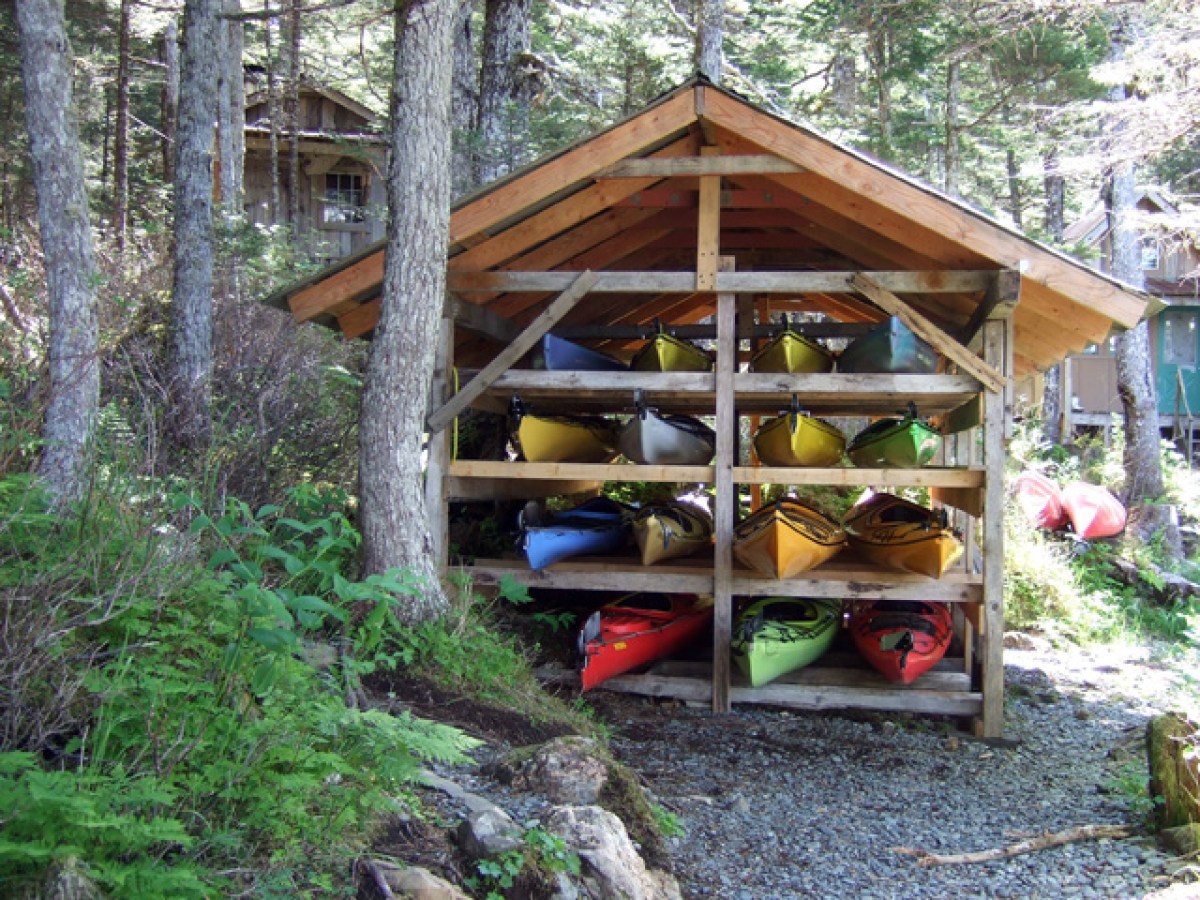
153 625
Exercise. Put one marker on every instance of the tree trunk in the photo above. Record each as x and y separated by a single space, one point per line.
1055 186
1015 200
464 102
1052 405
395 526
120 209
231 109
877 48
57 161
169 98
710 31
845 86
293 121
189 416
277 211
953 174
505 88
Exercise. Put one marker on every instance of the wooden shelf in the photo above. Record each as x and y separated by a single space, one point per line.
942 691
837 394
842 578
930 476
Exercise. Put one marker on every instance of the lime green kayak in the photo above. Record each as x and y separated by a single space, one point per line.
897 443
790 351
777 635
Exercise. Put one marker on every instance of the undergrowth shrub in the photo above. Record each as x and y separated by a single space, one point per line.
203 747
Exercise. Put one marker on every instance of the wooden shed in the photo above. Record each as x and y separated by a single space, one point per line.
712 216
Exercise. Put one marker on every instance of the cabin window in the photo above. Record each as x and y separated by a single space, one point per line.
1151 254
345 199
1179 338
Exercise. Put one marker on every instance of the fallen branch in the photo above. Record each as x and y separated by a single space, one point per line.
1041 842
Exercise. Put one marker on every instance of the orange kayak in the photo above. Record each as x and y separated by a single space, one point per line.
1093 510
1041 500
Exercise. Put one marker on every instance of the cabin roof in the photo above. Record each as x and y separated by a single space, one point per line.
702 173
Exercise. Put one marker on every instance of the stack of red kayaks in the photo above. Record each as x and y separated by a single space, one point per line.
637 629
1041 500
902 639
1093 510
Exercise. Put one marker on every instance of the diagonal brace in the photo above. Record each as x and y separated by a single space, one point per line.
524 342
992 379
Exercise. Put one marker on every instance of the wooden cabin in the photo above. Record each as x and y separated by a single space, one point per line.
1171 265
342 200
714 217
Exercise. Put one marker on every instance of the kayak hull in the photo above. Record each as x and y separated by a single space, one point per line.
639 629
890 347
776 635
582 439
650 438
793 353
667 353
785 538
671 530
902 640
1041 500
794 439
557 354
899 535
1093 511
598 525
906 443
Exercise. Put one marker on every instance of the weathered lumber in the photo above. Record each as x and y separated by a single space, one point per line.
514 351
1041 842
926 330
698 165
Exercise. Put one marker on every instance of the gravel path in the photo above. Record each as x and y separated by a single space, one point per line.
794 805
782 805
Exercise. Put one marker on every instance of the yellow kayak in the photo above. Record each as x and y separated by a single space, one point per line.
582 439
671 529
794 439
790 351
896 534
666 353
786 538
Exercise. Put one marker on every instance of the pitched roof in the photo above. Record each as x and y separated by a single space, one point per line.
638 197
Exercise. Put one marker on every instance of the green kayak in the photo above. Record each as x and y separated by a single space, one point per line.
896 443
777 635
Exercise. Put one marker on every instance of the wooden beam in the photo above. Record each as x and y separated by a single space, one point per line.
923 209
330 294
481 320
522 345
699 166
726 496
927 331
708 230
997 335
630 137
897 282
999 301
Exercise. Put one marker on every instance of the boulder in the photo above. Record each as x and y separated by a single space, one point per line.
419 884
489 832
568 770
610 867
1182 840
1173 749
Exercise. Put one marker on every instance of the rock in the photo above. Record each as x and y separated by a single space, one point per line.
567 770
66 881
1183 840
610 867
1171 744
1019 640
489 832
420 884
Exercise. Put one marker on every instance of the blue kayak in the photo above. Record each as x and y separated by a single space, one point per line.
557 354
598 525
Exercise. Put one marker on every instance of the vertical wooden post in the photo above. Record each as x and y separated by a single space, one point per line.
708 228
997 351
441 447
726 502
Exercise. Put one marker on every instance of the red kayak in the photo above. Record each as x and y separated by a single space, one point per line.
637 629
1041 500
903 639
1093 510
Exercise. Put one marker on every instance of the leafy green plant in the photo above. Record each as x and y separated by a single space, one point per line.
669 824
